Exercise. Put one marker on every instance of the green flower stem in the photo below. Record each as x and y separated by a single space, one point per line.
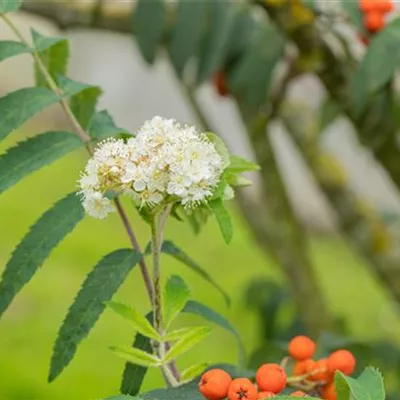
160 348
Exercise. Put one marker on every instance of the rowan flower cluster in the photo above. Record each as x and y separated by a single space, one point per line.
313 377
164 162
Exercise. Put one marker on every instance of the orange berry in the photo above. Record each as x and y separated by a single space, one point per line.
329 392
374 21
271 378
323 374
368 5
298 393
242 389
265 395
385 6
214 384
301 348
303 367
343 361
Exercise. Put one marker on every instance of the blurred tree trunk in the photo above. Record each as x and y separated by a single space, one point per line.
359 223
279 234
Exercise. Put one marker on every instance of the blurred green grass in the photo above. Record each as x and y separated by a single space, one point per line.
30 325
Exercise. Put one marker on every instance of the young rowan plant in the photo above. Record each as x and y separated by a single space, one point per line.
162 170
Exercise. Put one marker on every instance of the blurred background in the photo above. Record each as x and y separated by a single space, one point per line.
316 245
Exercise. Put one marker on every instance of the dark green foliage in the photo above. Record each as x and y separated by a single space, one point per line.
99 287
187 32
148 26
36 246
34 153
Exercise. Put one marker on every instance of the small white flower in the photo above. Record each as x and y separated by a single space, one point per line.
96 205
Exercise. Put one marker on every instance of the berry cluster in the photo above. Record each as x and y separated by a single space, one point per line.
374 14
310 377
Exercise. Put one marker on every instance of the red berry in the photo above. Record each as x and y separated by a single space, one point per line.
271 378
343 361
301 348
242 389
323 374
214 384
368 5
303 367
329 392
221 84
374 21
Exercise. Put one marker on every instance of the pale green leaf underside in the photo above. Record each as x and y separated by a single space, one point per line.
186 342
122 397
99 287
194 371
36 246
176 295
10 5
34 153
137 320
135 356
223 218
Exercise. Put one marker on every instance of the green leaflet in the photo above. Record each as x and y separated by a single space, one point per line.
352 9
148 26
186 342
251 78
83 105
34 100
139 322
371 380
220 147
10 5
216 43
223 219
171 249
99 287
134 374
36 246
102 126
381 59
196 308
122 397
10 48
135 356
54 53
194 371
34 153
176 295
238 165
186 32
346 387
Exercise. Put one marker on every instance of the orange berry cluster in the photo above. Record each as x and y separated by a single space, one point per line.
374 13
320 372
311 376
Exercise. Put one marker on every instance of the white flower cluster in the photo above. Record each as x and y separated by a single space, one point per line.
163 162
